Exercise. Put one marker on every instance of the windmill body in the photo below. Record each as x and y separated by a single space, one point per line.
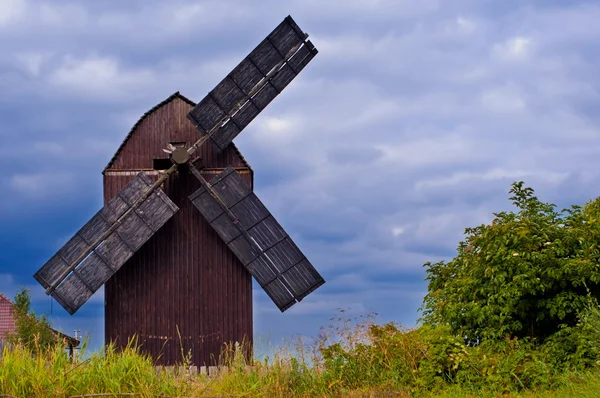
184 281
182 232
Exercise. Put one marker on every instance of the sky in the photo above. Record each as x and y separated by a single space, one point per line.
408 127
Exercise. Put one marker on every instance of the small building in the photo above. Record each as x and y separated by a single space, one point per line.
7 320
8 326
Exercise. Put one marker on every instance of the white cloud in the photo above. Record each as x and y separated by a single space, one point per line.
466 25
354 48
426 152
431 227
508 176
397 231
278 125
162 22
100 76
41 184
370 10
32 62
517 47
277 131
40 16
577 21
11 11
503 99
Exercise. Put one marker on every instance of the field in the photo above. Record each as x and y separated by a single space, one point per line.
350 357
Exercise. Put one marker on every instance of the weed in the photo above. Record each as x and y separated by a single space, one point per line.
352 357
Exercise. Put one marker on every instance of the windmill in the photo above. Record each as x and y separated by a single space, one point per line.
176 244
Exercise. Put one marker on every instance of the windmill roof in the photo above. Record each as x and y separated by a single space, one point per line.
176 95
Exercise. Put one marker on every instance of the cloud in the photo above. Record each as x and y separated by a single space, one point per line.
397 231
408 126
174 21
507 176
465 25
514 48
279 130
10 11
40 184
503 100
99 77
32 62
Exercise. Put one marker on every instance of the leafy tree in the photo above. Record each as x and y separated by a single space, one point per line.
31 330
528 274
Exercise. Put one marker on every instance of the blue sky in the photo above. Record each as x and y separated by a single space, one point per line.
409 126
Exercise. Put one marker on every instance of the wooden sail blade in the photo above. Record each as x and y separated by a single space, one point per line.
90 258
256 238
253 84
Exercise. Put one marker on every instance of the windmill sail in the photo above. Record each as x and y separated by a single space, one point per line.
71 279
254 83
257 239
118 230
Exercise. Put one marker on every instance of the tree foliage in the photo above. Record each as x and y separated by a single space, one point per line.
32 331
529 273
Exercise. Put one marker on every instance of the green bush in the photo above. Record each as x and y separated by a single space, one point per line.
527 275
432 358
514 310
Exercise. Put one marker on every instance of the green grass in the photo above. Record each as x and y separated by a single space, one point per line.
351 357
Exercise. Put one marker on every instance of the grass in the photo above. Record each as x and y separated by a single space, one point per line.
350 358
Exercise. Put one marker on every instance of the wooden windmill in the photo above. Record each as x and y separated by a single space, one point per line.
182 233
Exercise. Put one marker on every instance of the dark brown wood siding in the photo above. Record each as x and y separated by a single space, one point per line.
169 124
184 289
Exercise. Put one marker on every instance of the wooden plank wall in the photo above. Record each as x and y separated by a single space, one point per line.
184 289
169 124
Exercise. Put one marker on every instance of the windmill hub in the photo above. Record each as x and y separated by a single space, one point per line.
180 156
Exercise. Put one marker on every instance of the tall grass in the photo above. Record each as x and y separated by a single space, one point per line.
50 373
352 357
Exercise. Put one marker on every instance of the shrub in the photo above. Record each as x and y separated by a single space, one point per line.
527 274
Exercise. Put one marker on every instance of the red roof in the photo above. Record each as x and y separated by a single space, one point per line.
7 322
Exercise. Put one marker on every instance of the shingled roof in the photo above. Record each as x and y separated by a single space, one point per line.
176 95
7 323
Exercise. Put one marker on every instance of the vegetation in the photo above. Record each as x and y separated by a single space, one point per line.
515 313
32 331
50 373
352 357
528 274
